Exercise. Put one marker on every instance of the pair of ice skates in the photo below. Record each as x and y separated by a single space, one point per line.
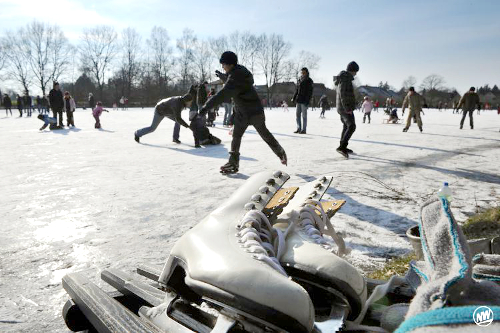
262 262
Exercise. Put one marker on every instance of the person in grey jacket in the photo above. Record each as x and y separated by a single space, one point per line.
171 108
346 103
303 96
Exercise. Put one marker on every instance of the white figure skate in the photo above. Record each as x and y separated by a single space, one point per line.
314 261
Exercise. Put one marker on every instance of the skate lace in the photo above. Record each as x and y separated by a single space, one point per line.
259 237
315 226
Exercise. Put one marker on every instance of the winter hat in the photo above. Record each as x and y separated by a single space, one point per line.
411 89
99 103
55 83
353 67
228 58
472 89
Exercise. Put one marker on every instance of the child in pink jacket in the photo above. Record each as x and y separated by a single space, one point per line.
97 113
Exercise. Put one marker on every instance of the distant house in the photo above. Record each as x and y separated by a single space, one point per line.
378 93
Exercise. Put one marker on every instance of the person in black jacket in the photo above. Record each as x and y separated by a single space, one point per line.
303 96
7 104
346 103
324 105
19 101
57 102
238 84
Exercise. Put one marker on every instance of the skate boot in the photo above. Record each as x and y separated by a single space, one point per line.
342 152
314 260
231 166
405 129
228 262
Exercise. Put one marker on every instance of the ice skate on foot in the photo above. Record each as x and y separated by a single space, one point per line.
405 130
176 141
342 152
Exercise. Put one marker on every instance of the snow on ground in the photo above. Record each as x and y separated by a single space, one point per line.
86 199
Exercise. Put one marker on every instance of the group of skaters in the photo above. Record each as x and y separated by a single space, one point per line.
25 104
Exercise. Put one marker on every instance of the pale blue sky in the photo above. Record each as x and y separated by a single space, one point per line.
390 40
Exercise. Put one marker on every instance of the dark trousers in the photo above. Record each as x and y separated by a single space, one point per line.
69 118
58 112
470 118
20 112
97 122
323 109
258 121
365 116
349 128
7 109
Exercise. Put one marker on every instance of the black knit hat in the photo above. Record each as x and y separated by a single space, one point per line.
353 67
228 58
472 89
411 89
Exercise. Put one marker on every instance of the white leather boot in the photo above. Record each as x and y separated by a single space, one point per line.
313 260
229 259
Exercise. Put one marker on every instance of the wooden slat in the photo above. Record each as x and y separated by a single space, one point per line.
150 272
279 201
105 313
127 285
332 207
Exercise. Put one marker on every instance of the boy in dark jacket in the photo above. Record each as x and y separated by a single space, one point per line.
303 96
346 103
238 84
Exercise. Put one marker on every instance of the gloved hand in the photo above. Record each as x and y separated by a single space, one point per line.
221 75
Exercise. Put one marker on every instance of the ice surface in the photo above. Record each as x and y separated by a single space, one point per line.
86 199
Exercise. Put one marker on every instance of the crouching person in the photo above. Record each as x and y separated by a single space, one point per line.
48 121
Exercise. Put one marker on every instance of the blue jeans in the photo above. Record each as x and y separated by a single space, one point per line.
156 121
227 115
301 110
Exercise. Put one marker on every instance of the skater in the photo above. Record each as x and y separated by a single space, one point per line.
45 104
57 102
19 101
413 101
239 84
303 96
324 105
7 104
346 102
91 101
367 107
48 121
377 104
38 104
69 107
171 108
284 105
97 113
468 102
27 104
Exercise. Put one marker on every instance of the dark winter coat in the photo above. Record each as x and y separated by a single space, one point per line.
323 102
56 99
469 101
346 102
304 91
92 103
171 108
239 86
7 103
201 98
19 103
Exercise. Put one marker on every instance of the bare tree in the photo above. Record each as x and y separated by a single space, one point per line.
432 82
48 51
162 60
202 61
98 49
218 46
305 59
131 48
411 81
186 45
16 56
3 56
271 56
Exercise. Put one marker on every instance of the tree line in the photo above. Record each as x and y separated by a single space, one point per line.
112 64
